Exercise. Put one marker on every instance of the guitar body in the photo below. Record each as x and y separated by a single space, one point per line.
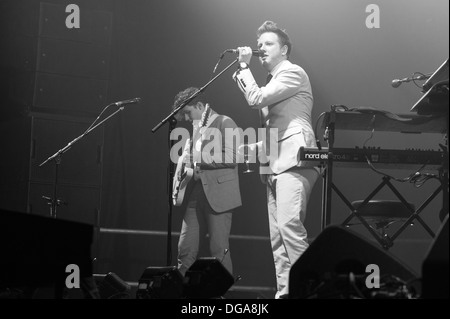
183 175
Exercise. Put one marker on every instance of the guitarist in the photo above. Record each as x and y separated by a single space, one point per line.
214 191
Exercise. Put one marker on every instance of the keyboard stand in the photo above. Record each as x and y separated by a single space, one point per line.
387 241
329 186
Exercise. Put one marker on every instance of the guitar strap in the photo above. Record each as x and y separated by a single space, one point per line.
200 133
210 120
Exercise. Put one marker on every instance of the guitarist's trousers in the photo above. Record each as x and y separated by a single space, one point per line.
200 219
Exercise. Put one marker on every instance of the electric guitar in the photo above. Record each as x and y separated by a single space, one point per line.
184 172
183 176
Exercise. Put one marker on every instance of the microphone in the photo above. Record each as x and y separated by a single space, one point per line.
254 52
397 82
125 102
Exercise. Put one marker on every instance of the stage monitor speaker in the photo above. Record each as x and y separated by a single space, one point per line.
111 286
36 250
337 256
160 283
435 266
207 278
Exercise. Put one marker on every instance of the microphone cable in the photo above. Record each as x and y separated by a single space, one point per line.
218 61
421 78
319 146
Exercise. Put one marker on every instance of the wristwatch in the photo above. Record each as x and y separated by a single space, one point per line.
243 65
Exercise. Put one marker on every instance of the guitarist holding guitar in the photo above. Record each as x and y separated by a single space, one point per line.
208 186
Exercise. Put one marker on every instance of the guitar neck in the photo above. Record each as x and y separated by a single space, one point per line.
205 115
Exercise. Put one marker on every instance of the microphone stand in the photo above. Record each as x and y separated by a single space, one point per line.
170 118
170 175
55 202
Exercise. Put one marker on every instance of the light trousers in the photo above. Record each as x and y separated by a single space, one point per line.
287 199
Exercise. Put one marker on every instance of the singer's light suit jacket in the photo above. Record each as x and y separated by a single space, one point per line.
286 104
219 178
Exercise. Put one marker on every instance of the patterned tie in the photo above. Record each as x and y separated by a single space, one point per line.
262 121
261 118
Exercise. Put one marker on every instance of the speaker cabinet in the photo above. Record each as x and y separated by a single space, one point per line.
54 83
51 68
160 283
29 141
36 250
335 258
207 278
111 286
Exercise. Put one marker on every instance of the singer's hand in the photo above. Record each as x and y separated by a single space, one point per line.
245 54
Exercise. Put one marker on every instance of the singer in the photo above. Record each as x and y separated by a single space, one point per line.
285 103
213 192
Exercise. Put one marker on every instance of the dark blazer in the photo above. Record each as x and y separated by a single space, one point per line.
218 165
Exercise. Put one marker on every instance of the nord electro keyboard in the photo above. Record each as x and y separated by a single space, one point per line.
380 158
